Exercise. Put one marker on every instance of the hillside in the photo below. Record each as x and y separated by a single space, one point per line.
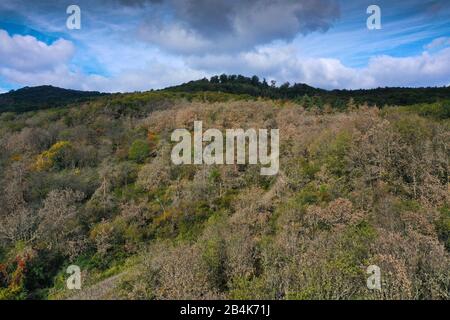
42 97
93 185
237 84
45 97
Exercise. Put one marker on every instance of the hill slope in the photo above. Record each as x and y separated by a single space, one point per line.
94 185
238 84
42 97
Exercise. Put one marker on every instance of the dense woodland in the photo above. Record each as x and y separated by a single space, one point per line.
92 184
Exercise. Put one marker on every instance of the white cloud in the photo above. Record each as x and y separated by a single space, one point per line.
174 38
286 64
422 70
26 53
26 61
156 75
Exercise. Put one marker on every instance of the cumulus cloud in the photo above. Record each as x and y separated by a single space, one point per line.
423 70
156 76
26 61
191 39
26 53
173 38
286 64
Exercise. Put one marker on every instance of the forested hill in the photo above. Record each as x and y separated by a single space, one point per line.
42 97
253 86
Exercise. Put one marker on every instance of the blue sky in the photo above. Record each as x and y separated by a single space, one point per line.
135 45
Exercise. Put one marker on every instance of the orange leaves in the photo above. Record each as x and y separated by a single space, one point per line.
16 157
15 279
152 138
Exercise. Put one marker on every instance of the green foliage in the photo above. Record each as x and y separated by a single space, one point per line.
355 188
248 289
214 256
40 273
139 151
58 156
336 154
312 194
413 129
443 226
439 110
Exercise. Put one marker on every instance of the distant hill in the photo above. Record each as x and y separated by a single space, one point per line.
253 86
42 97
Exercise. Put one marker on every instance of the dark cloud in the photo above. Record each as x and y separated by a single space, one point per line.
233 25
138 3
277 17
208 17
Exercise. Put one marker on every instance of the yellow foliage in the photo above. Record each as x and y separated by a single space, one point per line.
46 159
16 157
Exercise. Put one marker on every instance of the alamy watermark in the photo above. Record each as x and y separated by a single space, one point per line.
374 281
235 145
374 20
74 280
74 20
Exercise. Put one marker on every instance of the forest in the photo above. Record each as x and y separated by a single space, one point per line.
363 180
44 97
254 86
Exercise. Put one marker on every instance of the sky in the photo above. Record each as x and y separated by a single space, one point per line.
137 45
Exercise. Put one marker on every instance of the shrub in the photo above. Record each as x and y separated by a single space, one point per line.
139 151
58 156
443 226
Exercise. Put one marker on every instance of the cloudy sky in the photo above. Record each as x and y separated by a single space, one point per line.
134 45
